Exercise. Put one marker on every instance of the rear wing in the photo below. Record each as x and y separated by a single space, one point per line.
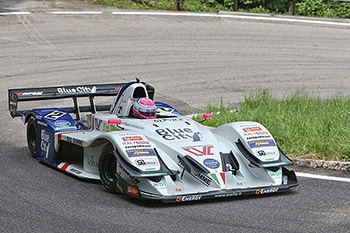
60 92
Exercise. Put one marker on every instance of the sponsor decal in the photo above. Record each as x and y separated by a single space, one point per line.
261 143
200 150
132 138
234 194
75 141
159 185
250 129
135 143
140 152
261 152
261 133
211 163
77 90
42 123
146 162
197 137
188 198
137 146
132 125
55 115
239 183
62 123
30 93
75 171
266 153
266 190
134 191
203 178
175 134
90 161
178 189
168 119
45 142
258 137
256 133
275 174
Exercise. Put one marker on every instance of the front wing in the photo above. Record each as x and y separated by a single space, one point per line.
136 193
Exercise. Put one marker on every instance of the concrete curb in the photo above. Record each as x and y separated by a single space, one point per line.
330 165
269 15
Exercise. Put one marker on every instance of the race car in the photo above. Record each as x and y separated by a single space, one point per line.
148 150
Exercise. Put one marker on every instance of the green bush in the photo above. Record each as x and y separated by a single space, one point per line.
339 9
275 6
324 8
319 8
311 8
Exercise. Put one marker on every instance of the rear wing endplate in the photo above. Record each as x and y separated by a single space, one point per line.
60 92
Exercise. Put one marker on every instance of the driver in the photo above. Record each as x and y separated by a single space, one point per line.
144 108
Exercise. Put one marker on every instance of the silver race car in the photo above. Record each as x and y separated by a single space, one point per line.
167 157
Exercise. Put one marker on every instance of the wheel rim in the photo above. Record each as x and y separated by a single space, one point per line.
110 167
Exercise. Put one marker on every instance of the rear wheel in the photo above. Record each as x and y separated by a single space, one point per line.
32 136
107 168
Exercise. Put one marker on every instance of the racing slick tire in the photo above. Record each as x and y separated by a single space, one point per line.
32 136
107 168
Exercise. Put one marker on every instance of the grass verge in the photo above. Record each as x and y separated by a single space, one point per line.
303 126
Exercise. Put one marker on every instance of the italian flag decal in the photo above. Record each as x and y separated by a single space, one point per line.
223 177
215 178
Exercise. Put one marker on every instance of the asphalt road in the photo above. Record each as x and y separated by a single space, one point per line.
191 61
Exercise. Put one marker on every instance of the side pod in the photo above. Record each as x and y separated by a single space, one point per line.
135 172
254 162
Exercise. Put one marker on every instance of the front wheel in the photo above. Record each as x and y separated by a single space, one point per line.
107 168
32 136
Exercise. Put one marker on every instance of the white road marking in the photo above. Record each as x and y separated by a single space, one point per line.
14 13
76 12
314 176
275 19
164 13
213 15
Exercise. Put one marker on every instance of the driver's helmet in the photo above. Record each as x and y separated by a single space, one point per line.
144 108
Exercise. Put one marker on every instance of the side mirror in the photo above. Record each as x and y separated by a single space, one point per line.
114 121
207 115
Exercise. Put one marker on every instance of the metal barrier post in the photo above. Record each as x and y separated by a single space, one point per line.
178 5
293 7
235 5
